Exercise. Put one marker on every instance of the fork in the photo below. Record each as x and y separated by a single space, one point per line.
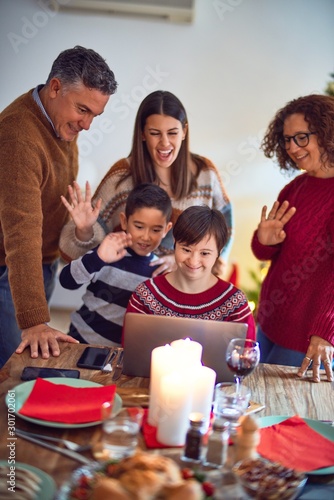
70 445
119 366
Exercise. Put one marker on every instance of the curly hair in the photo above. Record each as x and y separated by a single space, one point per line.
318 111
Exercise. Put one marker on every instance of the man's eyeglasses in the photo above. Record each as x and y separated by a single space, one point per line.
302 139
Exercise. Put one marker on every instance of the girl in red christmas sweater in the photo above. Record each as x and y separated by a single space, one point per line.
191 290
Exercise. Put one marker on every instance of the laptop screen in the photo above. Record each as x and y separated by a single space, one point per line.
143 333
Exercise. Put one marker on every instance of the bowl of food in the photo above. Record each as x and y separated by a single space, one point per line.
265 480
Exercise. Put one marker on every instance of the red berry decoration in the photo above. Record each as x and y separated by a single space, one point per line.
208 488
187 473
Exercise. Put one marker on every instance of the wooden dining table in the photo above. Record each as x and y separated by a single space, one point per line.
275 387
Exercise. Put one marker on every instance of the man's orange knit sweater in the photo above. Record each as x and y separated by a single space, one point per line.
35 169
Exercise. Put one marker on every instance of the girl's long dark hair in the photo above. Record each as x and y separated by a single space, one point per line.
183 181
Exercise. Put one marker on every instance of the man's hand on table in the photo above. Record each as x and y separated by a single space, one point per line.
43 338
318 351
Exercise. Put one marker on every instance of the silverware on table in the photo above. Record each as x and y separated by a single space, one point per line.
119 366
107 368
68 453
329 422
68 444
142 400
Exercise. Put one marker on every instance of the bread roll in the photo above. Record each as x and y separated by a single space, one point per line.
107 488
145 476
188 490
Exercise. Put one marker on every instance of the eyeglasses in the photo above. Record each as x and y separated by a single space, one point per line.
302 139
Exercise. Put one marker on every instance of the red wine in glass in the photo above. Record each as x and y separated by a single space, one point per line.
242 356
243 367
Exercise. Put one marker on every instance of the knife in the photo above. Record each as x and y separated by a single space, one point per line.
63 451
119 366
107 368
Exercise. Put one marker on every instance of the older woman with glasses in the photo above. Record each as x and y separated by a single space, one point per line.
296 307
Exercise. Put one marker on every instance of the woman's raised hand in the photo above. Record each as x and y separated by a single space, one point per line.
83 213
219 267
270 230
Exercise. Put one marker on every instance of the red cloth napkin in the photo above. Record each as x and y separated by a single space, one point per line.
150 434
294 444
66 404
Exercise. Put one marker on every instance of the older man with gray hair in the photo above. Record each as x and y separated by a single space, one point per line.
38 160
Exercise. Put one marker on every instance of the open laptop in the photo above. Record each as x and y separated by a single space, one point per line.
142 333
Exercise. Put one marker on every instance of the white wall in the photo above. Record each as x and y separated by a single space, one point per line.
233 68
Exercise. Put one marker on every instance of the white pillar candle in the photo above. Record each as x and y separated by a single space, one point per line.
204 386
176 399
163 361
188 351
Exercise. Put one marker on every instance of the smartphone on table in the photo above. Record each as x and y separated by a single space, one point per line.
33 372
94 358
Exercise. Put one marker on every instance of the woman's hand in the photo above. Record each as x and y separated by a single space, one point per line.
219 267
166 264
270 230
318 351
83 213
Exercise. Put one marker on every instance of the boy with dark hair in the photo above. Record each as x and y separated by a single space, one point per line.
117 266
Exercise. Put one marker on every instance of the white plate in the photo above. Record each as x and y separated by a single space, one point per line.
325 430
47 486
22 391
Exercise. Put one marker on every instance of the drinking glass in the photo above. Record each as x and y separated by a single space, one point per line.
230 403
120 433
242 356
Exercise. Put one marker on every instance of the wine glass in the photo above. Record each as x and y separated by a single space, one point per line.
242 356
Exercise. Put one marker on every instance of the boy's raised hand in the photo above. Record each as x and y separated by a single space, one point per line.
270 230
83 213
113 247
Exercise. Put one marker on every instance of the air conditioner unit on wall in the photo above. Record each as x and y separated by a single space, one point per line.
180 11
